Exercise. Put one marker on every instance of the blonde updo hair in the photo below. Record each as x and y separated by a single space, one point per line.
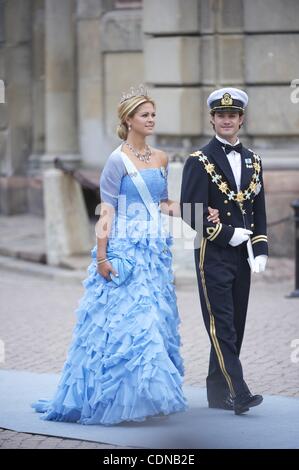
127 109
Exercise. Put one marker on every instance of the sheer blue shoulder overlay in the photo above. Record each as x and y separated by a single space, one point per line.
111 177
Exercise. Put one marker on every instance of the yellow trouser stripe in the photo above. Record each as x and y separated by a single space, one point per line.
212 319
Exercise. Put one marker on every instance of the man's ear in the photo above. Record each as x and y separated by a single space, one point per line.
241 121
212 121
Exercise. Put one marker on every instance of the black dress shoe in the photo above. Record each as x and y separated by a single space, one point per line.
224 404
245 401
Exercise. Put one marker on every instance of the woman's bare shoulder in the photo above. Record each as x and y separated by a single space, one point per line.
161 156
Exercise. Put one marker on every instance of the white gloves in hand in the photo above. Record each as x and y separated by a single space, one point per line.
240 235
260 263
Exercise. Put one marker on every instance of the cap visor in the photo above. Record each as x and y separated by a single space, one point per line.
227 108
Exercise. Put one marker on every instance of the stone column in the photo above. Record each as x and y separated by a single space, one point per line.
38 77
16 113
67 227
60 82
66 221
115 38
3 107
35 186
90 83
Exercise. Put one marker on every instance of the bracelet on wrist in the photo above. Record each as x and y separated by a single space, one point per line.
100 261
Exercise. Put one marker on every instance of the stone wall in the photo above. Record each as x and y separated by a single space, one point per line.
65 65
251 44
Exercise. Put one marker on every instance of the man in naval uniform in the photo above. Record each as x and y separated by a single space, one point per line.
227 176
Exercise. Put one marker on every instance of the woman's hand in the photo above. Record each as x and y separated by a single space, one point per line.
105 269
214 215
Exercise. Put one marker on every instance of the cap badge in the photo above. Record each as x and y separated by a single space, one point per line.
226 100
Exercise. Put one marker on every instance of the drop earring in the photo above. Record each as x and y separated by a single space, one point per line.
129 127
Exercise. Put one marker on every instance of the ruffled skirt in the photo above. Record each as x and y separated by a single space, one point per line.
123 363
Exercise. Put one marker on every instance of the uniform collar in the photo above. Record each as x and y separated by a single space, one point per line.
216 152
223 141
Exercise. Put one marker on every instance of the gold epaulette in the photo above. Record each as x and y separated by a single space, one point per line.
196 154
255 155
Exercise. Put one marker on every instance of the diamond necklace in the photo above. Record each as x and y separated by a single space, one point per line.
144 157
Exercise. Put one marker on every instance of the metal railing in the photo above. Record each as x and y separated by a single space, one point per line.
295 206
77 175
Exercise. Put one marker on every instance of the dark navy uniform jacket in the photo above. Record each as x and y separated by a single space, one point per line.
208 179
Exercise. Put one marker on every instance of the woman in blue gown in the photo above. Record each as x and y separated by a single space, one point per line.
124 362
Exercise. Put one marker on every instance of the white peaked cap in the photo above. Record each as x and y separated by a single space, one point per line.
227 98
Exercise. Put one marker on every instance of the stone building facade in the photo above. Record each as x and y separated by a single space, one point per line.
64 64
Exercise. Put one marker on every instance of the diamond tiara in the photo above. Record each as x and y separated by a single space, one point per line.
139 91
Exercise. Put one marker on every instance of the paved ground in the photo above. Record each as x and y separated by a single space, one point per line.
37 317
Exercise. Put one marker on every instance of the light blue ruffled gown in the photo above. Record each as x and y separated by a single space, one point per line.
124 363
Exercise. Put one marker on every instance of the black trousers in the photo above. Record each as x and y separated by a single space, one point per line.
223 276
